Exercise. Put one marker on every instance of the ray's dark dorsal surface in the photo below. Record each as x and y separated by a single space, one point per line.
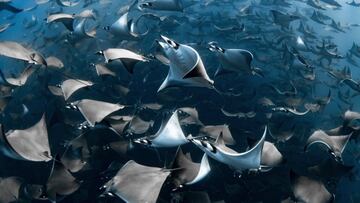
179 101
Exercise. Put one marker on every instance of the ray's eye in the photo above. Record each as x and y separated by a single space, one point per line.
173 44
146 5
220 49
110 194
144 142
210 147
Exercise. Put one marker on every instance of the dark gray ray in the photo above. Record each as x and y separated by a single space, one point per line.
188 116
31 144
102 70
286 92
270 156
304 29
337 26
121 147
30 22
136 183
313 107
170 134
76 155
115 53
290 110
80 32
37 58
125 27
316 4
54 62
214 131
70 86
350 116
95 111
294 101
250 159
121 27
300 61
233 60
127 57
309 190
67 3
134 29
324 100
4 100
250 114
278 134
231 29
188 172
336 144
329 170
339 74
21 79
139 126
87 13
186 66
266 102
17 51
151 106
9 189
120 90
164 5
66 19
20 112
73 159
119 123
32 191
283 19
352 84
5 90
328 54
60 182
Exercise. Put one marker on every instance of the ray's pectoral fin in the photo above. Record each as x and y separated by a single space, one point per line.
196 71
129 64
221 71
68 23
168 83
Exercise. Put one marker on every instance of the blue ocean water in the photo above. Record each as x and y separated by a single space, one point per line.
261 81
